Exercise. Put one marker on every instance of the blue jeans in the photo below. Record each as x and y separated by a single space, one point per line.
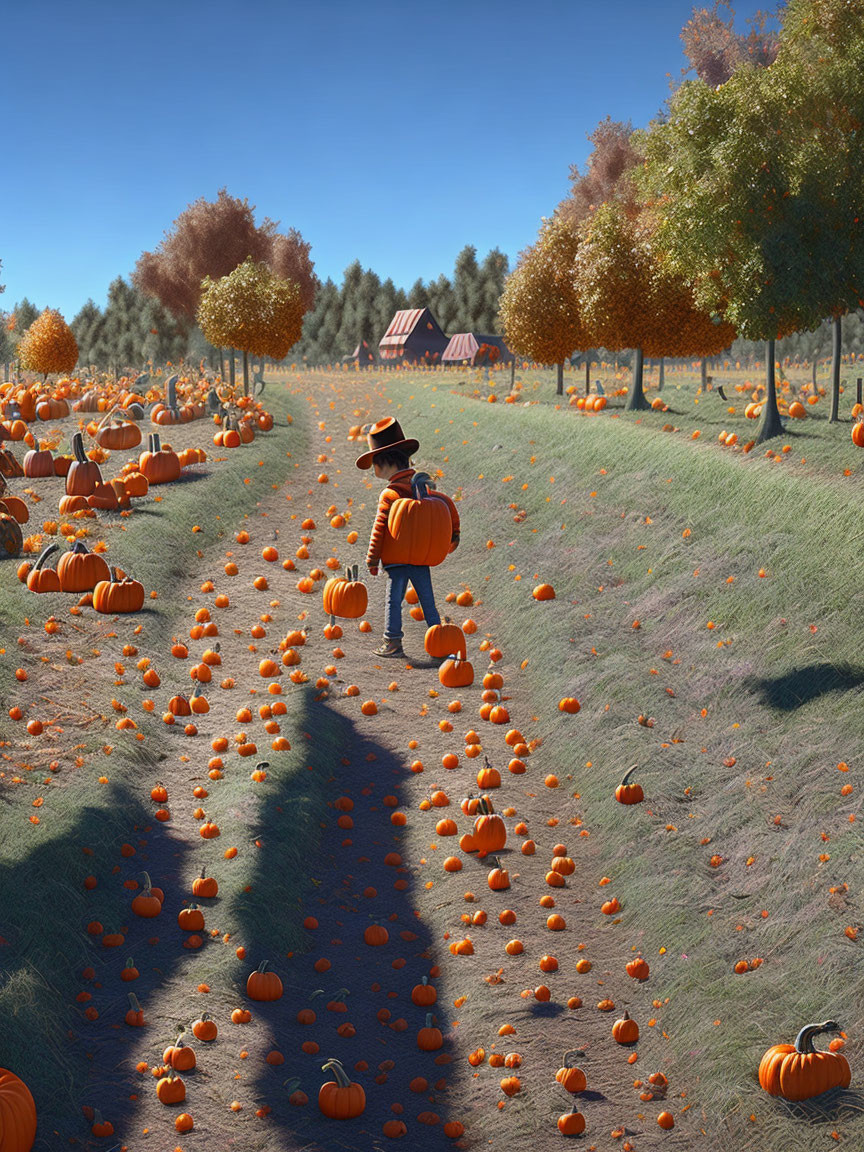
398 576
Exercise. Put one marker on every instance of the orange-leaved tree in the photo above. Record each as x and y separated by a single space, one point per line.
629 298
48 345
539 309
254 310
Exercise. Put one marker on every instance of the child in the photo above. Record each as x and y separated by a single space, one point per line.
390 455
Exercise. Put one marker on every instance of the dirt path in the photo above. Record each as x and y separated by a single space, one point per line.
371 867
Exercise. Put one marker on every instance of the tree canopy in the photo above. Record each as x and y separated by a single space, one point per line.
211 239
253 310
48 345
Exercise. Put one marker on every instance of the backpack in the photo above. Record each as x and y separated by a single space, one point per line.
419 526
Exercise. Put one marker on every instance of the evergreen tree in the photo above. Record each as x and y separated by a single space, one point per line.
87 326
467 294
25 313
418 295
493 272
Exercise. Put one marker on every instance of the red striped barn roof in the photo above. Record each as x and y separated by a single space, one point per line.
465 346
404 323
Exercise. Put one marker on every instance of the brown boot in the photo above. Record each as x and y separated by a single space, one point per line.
390 648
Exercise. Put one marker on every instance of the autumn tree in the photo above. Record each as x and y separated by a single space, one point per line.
211 239
540 308
751 206
251 309
714 49
48 345
614 281
607 175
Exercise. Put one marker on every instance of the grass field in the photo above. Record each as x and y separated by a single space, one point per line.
747 846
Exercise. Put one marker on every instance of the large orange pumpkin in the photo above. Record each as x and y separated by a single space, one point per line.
17 1114
798 1071
419 527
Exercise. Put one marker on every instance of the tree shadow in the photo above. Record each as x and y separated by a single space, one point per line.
801 685
350 881
67 1060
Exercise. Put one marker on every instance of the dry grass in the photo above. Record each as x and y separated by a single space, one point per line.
781 697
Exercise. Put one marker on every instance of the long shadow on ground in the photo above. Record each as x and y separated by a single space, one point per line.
801 685
352 882
86 1062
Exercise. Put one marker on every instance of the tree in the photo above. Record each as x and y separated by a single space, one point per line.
87 327
251 309
209 238
820 61
23 315
212 238
289 259
540 310
467 292
714 49
493 274
48 345
120 343
608 174
614 280
737 190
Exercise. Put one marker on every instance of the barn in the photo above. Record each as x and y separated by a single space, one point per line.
475 348
361 355
413 337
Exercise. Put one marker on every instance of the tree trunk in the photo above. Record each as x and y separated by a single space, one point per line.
559 391
704 373
813 376
231 367
661 379
771 424
245 372
222 363
512 373
587 375
837 345
636 397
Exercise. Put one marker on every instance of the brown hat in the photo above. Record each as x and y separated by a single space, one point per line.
383 436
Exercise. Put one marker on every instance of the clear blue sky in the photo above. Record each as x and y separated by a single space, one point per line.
393 133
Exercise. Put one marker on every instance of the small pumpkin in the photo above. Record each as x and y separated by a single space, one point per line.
571 1078
429 1038
263 985
118 594
340 1098
627 793
625 1030
179 1056
345 596
444 639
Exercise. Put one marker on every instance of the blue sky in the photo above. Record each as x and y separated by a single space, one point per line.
393 133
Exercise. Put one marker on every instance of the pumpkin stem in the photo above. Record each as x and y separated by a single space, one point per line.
571 1055
335 1066
804 1039
629 773
262 967
130 963
133 1000
147 883
47 551
292 1085
429 1019
78 448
